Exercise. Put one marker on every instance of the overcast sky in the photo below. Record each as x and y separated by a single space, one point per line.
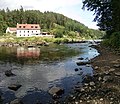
69 8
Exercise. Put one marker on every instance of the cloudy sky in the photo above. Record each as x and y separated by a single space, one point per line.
69 8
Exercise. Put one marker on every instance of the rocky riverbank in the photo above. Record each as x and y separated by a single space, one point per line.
104 86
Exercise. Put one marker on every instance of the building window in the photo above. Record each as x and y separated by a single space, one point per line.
36 27
24 34
20 34
32 31
19 26
24 31
20 31
36 31
23 26
28 34
31 26
28 31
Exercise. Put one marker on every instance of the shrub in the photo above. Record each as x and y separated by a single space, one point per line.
113 41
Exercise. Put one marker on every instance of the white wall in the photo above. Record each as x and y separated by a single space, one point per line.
27 33
8 31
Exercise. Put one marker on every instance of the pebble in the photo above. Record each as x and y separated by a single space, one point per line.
82 89
96 67
117 73
81 101
92 83
76 103
111 70
88 101
117 66
101 99
86 84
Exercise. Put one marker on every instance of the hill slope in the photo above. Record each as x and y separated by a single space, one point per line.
55 23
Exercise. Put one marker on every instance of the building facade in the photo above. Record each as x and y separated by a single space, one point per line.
11 30
28 30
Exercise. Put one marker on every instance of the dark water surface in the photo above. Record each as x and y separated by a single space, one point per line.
39 69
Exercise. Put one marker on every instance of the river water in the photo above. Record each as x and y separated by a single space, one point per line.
39 69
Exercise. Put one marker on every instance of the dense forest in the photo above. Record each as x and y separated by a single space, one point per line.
55 23
107 15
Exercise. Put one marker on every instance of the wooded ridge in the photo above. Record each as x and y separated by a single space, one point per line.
55 23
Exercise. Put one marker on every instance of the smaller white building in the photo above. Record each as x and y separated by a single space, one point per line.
11 30
28 30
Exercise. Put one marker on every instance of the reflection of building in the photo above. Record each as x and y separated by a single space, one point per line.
28 52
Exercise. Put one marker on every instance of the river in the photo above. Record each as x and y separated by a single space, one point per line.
39 69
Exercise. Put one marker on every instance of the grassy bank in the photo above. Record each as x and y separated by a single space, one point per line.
7 38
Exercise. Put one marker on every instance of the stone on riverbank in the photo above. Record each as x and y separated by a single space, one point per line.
117 73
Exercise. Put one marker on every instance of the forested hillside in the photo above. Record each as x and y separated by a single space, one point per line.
57 24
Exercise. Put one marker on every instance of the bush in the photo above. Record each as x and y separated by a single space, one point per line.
113 41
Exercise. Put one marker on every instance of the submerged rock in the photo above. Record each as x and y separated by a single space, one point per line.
14 87
81 58
76 69
16 101
9 73
83 63
56 91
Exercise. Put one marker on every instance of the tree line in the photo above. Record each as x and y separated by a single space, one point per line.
55 23
107 15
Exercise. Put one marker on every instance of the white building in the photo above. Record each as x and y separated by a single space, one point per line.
28 30
11 30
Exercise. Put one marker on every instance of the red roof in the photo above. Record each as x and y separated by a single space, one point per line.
28 26
12 29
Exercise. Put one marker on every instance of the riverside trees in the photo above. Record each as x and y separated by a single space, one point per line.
107 15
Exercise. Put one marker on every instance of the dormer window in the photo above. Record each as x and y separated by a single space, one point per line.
19 26
23 26
31 26
36 27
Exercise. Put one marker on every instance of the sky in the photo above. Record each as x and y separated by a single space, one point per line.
69 8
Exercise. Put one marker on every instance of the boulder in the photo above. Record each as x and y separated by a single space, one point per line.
9 73
16 101
14 87
56 91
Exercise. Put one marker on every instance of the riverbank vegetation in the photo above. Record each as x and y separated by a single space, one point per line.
55 23
107 15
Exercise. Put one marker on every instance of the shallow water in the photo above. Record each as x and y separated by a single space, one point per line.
38 69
